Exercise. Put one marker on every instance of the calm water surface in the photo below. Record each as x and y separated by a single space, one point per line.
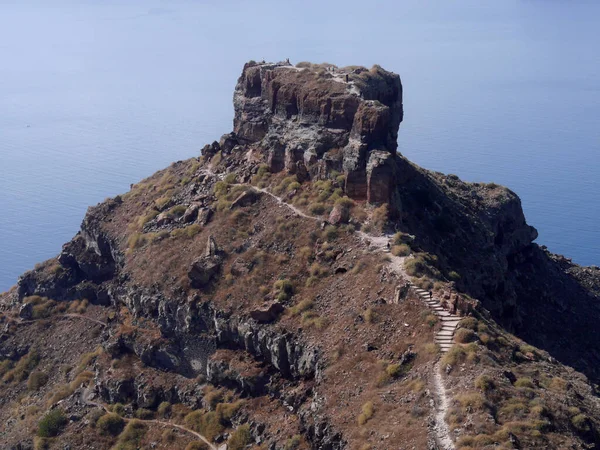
97 95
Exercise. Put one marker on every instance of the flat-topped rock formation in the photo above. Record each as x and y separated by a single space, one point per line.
314 119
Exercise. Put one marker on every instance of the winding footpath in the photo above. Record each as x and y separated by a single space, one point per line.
444 338
85 397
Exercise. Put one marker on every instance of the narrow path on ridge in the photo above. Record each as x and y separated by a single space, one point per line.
443 338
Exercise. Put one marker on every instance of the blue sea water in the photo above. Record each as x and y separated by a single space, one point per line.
97 95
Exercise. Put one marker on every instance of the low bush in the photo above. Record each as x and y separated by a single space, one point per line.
239 438
524 383
317 208
163 410
469 323
300 307
208 424
581 422
367 413
144 414
484 383
312 319
284 290
471 400
52 423
132 435
36 380
169 436
464 336
110 424
23 368
330 233
370 316
401 250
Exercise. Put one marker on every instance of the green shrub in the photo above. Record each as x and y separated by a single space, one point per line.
52 423
422 265
431 320
239 438
331 233
300 307
471 400
144 414
464 335
469 323
176 211
524 383
208 424
453 275
110 424
312 319
36 380
284 290
484 383
230 178
164 409
581 422
118 408
226 411
317 208
131 436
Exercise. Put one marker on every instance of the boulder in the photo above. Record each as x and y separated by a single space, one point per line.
190 214
246 198
163 219
204 216
203 270
267 313
339 214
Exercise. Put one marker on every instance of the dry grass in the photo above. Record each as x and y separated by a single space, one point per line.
368 410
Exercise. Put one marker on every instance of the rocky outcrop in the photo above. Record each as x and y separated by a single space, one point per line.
207 267
316 119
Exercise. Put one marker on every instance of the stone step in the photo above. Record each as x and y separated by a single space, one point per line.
445 333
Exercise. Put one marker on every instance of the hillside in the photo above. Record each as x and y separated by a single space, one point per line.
301 285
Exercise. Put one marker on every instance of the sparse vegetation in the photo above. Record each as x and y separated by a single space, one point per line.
52 423
367 413
284 289
163 410
110 424
401 250
239 438
23 368
464 336
131 436
36 380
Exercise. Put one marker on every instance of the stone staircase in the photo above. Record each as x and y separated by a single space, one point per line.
445 337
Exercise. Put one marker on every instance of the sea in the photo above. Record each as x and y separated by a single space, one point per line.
97 95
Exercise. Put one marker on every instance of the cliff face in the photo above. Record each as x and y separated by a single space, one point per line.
250 286
317 119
